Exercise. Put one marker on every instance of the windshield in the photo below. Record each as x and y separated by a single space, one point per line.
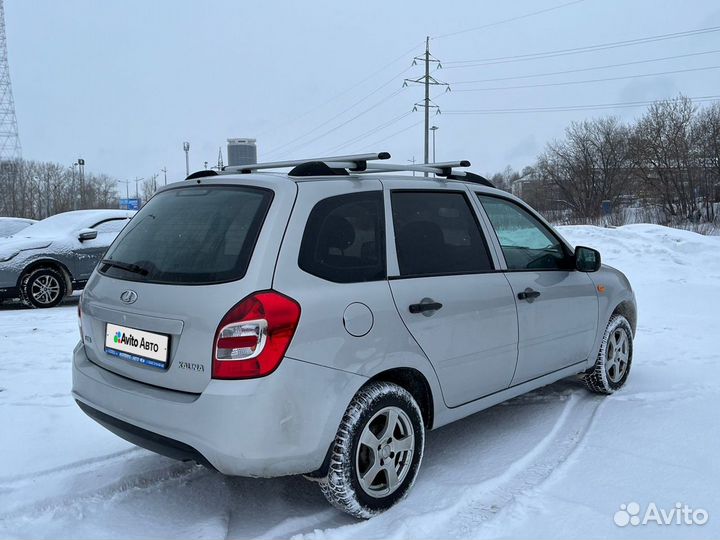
192 235
9 227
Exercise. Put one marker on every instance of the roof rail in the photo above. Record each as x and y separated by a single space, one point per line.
354 162
444 168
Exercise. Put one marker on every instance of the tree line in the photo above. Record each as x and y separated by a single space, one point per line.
34 189
666 162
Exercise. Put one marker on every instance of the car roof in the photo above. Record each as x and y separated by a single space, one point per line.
276 180
101 213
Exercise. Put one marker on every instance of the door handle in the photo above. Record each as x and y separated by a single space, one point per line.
424 306
528 294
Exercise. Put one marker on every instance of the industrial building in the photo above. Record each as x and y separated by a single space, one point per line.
241 151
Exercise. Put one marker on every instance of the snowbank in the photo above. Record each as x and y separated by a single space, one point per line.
556 463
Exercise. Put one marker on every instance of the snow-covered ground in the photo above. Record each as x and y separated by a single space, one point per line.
555 463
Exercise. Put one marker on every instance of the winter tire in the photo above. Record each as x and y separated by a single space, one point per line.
614 359
377 451
43 288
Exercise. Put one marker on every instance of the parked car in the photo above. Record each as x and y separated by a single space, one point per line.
319 322
44 263
12 225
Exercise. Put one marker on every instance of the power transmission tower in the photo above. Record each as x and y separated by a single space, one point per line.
10 151
427 80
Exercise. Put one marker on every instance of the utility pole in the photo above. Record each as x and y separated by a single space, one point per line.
186 148
164 171
137 181
413 162
127 189
427 80
427 99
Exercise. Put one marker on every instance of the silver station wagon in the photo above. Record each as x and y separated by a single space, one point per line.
318 322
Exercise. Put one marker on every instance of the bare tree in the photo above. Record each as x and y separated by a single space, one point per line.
664 149
707 129
149 188
37 190
589 166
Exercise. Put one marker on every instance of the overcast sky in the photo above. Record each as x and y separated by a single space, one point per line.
123 83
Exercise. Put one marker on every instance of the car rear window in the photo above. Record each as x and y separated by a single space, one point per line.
192 235
344 239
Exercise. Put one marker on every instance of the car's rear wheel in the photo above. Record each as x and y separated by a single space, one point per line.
377 451
43 287
614 359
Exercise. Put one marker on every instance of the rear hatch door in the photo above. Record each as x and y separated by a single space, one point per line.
151 308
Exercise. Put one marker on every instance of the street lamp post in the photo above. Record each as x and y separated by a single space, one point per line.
74 196
81 167
434 129
186 148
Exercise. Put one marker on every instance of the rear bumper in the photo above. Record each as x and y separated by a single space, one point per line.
273 426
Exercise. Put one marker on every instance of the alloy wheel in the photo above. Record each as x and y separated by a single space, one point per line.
385 452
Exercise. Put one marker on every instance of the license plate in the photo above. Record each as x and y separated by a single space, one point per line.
135 345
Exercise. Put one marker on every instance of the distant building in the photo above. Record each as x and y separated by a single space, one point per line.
241 151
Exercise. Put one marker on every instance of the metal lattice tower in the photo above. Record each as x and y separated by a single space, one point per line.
10 150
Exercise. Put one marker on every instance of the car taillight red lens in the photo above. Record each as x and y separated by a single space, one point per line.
252 338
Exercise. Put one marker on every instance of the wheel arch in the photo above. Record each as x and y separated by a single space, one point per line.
48 263
414 382
628 310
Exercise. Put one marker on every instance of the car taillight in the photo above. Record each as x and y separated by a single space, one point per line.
252 338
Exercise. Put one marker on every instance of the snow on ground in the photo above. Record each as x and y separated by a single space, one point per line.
555 463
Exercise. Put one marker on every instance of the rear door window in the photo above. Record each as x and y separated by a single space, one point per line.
344 239
192 235
436 233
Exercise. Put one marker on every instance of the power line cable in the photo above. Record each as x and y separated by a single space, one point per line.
350 88
699 99
338 115
368 133
395 134
588 81
377 128
332 130
580 70
577 50
509 20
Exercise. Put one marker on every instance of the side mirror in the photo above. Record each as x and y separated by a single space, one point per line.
587 259
87 234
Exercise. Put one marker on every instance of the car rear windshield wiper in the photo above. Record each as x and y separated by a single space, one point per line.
134 268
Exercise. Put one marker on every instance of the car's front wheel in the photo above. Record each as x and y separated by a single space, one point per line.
43 287
377 451
614 359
